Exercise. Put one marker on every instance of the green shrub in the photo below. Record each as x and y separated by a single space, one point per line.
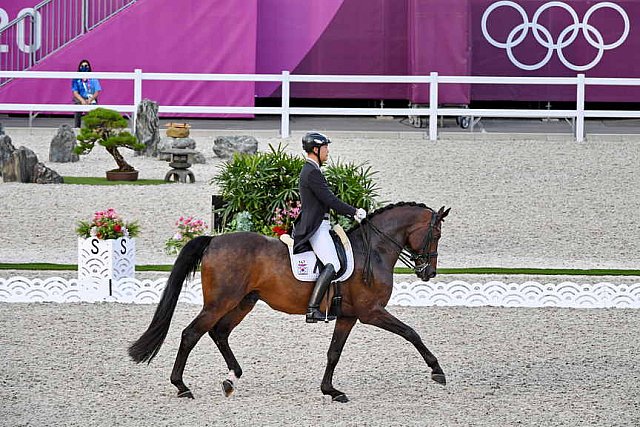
107 128
260 183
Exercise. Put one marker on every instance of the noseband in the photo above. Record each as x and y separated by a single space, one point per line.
421 259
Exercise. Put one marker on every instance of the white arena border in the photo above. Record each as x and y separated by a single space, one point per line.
415 294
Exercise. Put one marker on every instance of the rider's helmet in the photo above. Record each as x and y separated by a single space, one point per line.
314 139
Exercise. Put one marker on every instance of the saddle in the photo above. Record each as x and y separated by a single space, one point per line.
306 266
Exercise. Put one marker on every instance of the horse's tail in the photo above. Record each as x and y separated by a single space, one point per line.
148 345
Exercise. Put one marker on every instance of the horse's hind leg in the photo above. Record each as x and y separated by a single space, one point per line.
220 335
203 322
385 320
341 332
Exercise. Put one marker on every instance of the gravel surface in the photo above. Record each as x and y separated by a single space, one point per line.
514 204
66 364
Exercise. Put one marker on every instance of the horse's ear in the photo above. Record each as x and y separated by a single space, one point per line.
442 213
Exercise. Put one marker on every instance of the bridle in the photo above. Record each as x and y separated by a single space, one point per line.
421 259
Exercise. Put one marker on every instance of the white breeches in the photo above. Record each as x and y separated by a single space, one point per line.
323 246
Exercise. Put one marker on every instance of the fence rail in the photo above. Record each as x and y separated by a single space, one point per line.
286 79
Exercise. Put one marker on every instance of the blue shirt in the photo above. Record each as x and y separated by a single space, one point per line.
85 87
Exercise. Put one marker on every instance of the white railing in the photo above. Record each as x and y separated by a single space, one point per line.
416 294
286 79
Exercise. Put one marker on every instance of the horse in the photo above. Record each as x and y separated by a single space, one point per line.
239 269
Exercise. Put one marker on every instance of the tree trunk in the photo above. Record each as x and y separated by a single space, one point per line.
122 163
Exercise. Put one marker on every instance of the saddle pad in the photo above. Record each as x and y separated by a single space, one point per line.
303 264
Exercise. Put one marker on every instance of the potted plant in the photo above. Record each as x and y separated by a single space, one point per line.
107 128
106 246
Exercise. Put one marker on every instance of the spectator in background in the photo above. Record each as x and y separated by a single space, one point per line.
85 91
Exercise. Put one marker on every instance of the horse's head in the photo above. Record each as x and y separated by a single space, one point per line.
422 242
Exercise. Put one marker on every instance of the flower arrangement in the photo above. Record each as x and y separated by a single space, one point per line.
188 228
283 218
107 225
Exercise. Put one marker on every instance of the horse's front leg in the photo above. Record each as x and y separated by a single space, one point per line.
340 334
385 320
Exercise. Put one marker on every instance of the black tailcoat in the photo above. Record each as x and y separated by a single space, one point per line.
316 198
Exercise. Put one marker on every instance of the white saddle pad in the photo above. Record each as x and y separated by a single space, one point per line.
303 265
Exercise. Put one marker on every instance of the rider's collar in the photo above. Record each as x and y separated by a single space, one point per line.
313 162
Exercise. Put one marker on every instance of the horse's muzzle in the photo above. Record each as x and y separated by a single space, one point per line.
427 273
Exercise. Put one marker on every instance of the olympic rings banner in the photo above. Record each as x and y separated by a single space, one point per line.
555 38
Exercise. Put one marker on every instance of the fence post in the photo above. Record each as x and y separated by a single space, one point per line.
580 108
433 106
284 116
137 95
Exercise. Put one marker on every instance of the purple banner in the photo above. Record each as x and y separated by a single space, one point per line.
216 36
364 37
439 42
355 37
538 38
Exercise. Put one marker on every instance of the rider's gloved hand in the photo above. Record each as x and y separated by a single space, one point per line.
360 215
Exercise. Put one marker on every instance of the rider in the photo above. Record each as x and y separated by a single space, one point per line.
312 225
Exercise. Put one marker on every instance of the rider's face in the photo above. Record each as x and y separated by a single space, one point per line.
324 153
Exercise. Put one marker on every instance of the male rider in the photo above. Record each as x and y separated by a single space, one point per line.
312 225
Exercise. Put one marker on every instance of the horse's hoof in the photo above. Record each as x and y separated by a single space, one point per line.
439 378
227 388
341 398
186 393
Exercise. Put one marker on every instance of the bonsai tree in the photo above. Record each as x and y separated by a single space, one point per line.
107 128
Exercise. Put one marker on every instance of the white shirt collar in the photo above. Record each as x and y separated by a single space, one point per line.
313 162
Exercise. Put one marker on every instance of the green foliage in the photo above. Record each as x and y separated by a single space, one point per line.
107 128
264 182
259 183
242 222
353 184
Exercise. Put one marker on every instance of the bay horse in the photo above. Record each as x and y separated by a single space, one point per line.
238 269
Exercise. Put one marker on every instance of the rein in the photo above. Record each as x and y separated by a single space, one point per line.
406 255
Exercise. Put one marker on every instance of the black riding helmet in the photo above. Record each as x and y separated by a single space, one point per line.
314 139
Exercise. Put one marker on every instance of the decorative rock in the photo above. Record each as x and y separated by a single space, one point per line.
226 146
165 143
168 143
62 145
147 127
19 168
44 175
6 149
184 143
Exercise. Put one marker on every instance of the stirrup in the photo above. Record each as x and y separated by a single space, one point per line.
315 315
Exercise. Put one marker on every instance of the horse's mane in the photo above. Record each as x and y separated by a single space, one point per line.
389 207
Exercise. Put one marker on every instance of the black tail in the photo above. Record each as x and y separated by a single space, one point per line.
148 345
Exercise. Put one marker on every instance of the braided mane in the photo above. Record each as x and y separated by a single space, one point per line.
389 207
396 205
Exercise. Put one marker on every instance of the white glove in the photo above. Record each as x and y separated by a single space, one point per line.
360 215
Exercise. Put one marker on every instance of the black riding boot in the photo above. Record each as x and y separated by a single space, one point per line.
325 278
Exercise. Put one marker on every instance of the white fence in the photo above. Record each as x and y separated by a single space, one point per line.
286 79
416 294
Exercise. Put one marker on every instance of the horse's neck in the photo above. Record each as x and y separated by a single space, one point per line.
391 241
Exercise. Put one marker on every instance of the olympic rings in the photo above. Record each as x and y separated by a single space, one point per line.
543 36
